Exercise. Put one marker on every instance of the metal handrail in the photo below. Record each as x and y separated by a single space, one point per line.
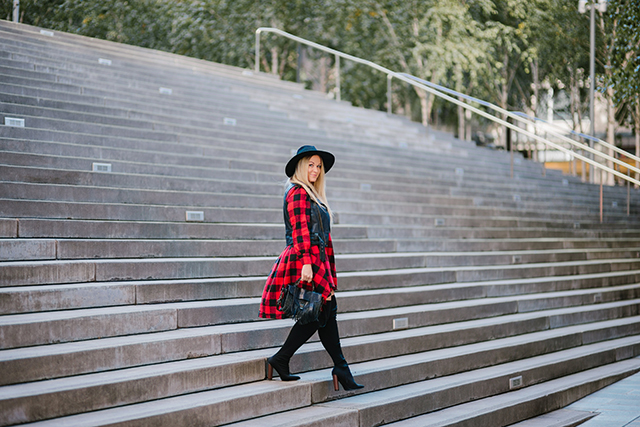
583 135
523 118
427 87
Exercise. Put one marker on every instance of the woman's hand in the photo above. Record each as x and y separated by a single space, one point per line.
307 273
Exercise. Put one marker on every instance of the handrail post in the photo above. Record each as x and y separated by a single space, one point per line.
298 62
389 94
628 194
510 142
257 66
601 198
338 77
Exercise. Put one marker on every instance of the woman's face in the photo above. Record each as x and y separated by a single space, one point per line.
314 168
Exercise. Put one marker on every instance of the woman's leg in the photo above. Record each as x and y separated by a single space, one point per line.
330 339
328 333
298 335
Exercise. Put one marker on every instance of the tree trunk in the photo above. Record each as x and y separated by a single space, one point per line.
502 130
636 119
572 99
536 84
274 60
425 107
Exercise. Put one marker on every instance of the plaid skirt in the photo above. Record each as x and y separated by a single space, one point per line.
287 270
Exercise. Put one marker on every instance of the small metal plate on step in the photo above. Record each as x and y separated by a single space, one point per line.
614 204
298 96
439 222
517 259
101 167
516 198
103 61
228 121
195 216
515 382
576 225
565 182
46 33
597 297
459 172
165 91
403 145
14 122
365 187
401 323
247 73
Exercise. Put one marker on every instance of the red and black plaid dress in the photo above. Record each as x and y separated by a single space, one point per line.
288 267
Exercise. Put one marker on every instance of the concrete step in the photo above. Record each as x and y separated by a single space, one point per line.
121 229
24 299
442 244
354 255
558 418
30 249
406 232
20 273
73 358
519 405
62 397
111 212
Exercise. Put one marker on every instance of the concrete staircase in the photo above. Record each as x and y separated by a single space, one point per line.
466 297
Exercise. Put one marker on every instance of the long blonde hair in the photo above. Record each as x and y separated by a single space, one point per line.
315 190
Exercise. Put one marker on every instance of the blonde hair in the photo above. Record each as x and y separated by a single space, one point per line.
315 190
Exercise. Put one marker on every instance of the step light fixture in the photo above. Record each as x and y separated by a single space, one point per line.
195 216
14 122
101 167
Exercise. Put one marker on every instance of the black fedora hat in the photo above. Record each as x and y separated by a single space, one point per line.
328 159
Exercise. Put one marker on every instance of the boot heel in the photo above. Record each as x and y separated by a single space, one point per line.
336 387
269 371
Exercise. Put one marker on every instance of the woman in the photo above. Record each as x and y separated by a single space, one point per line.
308 258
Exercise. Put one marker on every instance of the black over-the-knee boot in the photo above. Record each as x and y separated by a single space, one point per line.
298 335
330 339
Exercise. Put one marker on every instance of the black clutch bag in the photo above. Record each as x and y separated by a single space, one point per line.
301 304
